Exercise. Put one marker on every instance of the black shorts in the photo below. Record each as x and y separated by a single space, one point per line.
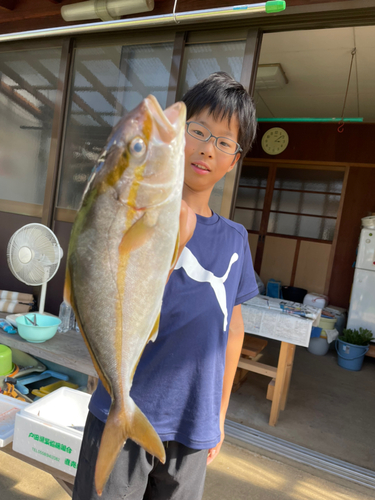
137 475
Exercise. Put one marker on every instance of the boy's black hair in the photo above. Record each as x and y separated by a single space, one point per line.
224 97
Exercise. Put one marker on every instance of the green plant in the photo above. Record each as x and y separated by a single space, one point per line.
356 337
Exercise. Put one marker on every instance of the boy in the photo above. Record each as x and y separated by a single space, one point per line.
184 378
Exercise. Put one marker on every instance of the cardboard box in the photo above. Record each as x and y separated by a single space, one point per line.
51 429
9 407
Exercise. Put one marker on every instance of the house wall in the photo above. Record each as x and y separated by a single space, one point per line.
322 143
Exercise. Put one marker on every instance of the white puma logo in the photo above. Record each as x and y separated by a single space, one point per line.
196 272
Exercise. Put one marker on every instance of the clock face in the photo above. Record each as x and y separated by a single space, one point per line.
275 141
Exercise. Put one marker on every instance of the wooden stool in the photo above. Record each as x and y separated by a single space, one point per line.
252 346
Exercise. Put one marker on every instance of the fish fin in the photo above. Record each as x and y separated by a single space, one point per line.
151 338
175 253
155 330
116 431
136 236
93 357
113 439
68 287
142 433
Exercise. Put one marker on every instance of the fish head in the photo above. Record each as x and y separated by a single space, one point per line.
142 164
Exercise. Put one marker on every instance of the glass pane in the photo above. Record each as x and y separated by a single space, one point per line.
306 203
309 180
250 197
202 59
304 226
107 83
248 218
254 176
28 88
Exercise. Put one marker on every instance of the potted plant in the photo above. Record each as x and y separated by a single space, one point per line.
352 346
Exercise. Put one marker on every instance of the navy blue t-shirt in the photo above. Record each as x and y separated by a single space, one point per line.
178 382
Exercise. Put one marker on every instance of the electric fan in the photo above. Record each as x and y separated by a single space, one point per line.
34 255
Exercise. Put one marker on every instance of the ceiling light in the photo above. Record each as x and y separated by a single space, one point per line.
270 77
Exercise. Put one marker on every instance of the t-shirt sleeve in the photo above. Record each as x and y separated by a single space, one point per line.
248 286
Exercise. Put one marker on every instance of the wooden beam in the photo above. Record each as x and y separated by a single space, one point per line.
11 93
49 76
288 376
27 86
102 89
254 366
265 216
7 4
282 369
295 262
336 234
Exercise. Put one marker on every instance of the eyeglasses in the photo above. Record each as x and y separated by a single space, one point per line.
202 133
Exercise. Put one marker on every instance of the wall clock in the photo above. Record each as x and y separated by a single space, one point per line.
275 141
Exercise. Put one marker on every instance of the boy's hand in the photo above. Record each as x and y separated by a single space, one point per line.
213 452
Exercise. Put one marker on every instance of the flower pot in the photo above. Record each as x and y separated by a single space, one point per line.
350 356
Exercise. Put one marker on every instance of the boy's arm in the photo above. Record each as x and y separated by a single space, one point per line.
188 221
235 340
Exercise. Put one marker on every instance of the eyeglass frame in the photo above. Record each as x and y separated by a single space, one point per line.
239 149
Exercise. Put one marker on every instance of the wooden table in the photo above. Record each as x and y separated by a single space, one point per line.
281 375
66 349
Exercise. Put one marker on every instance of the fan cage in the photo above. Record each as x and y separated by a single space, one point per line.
45 253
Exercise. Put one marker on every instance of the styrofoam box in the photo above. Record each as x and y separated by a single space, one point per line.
51 429
9 407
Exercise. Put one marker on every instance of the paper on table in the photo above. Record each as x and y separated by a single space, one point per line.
274 324
287 307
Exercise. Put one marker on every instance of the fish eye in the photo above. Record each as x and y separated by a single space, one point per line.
137 147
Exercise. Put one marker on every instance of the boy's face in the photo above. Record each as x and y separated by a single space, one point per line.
205 165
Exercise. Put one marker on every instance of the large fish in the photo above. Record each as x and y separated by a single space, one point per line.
123 243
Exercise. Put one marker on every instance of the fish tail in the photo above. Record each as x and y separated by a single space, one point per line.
119 427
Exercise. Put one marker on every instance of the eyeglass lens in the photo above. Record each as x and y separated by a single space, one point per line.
203 134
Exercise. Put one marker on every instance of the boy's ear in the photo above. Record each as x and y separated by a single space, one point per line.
235 160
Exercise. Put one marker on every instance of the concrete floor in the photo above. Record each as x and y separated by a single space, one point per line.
329 410
236 474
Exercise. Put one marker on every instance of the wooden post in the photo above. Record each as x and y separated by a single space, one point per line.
289 368
280 383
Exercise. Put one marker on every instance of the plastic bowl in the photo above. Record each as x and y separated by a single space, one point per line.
46 329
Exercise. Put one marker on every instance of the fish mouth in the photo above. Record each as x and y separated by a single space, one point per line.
169 122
